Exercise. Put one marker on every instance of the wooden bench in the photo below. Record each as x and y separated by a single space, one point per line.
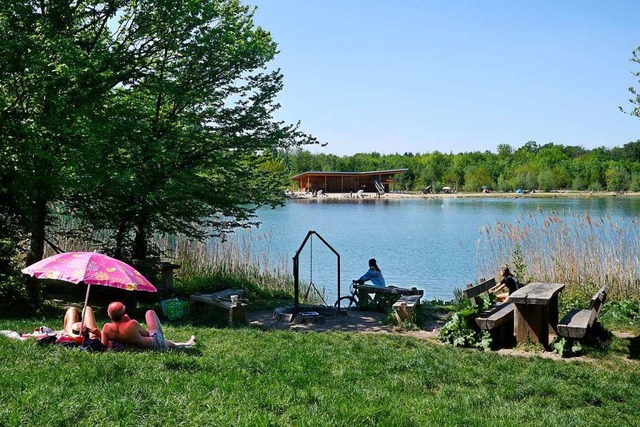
576 323
365 290
222 299
498 319
408 299
403 308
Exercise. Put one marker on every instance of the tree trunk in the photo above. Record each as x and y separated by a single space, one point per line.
36 250
140 240
120 235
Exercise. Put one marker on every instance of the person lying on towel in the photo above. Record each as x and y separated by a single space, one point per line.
129 332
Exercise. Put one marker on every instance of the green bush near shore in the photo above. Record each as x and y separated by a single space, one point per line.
247 377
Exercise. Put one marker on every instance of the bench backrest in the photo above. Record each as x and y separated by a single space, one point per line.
472 292
598 300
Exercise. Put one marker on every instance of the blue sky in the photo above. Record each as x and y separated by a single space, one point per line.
455 76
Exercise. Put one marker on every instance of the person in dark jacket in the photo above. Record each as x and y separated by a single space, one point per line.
507 285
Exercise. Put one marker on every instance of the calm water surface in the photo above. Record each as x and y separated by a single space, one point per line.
426 243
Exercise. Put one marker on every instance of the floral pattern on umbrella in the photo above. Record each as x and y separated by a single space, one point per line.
91 268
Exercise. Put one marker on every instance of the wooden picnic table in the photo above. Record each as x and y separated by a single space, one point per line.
222 299
536 311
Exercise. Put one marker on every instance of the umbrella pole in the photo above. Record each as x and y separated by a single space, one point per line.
84 308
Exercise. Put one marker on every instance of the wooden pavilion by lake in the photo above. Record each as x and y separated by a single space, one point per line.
345 182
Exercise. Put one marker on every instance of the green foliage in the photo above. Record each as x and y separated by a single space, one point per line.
476 177
15 298
618 178
546 181
138 118
548 167
635 182
461 330
519 265
623 314
215 282
595 186
567 347
458 332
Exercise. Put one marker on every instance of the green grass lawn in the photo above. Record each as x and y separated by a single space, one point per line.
249 377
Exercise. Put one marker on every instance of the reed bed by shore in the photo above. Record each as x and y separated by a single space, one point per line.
581 251
231 259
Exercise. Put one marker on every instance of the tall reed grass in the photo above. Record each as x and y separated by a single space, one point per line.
582 251
233 259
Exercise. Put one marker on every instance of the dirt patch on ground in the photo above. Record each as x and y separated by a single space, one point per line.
346 321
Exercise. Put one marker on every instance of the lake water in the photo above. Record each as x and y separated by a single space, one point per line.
426 243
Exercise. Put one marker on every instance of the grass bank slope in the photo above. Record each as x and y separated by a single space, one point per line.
250 377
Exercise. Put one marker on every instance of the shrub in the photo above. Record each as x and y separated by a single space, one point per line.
567 347
461 330
14 295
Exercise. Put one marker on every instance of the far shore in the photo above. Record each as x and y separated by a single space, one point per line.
463 195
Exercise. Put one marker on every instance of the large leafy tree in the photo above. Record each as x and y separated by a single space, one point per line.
137 116
189 140
56 65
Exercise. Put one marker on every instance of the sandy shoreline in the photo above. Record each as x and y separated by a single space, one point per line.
419 195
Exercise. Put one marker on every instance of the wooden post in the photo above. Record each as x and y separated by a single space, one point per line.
238 314
363 297
519 323
166 277
553 315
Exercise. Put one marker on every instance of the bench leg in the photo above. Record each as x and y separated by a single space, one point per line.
531 322
552 310
402 312
238 314
363 298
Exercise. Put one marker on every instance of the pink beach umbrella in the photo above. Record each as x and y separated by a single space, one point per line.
91 268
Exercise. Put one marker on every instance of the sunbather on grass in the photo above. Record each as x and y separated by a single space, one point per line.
72 323
128 331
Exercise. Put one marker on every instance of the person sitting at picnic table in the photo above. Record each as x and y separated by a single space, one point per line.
72 324
507 281
127 331
374 274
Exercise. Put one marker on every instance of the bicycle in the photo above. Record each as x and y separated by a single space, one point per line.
353 299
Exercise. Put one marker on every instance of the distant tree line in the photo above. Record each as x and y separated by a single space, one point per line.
533 166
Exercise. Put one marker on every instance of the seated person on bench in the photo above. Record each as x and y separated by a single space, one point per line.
374 274
507 281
